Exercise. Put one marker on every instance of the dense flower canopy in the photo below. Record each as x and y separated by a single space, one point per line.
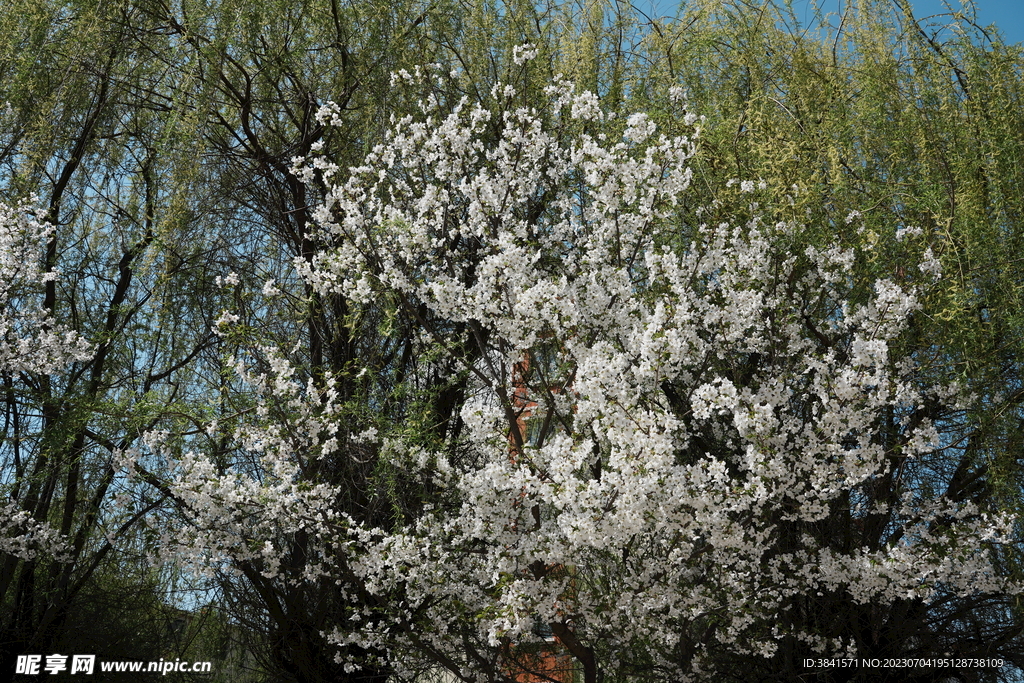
675 431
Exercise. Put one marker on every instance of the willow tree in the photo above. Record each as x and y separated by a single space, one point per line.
85 132
157 138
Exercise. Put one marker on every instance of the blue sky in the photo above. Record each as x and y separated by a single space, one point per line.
1007 15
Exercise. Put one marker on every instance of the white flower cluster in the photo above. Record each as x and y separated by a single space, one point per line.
29 340
244 511
523 53
26 538
715 399
777 387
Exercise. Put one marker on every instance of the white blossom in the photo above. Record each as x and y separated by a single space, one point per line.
523 53
711 390
30 342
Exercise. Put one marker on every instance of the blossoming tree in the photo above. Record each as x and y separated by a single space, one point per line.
731 453
30 342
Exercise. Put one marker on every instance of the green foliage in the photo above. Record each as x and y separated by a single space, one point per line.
159 137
